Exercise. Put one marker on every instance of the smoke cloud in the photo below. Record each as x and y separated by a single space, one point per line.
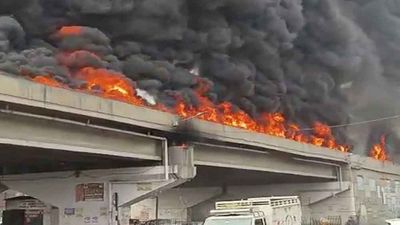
310 59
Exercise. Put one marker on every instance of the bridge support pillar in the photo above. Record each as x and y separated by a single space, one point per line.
175 204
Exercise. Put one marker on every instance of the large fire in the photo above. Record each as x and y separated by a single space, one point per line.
109 85
378 151
116 86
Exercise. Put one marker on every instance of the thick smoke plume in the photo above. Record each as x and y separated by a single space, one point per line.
299 57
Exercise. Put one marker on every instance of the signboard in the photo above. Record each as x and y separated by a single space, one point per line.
33 213
30 204
89 192
69 211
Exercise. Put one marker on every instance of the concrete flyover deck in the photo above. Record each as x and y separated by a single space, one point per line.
21 130
41 116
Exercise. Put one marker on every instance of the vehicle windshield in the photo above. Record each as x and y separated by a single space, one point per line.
228 221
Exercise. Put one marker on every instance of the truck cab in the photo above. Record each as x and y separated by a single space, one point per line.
257 211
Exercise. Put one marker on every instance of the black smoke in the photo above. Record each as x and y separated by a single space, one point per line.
185 132
300 57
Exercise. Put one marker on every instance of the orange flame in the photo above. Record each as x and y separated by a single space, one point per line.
116 86
109 84
70 31
270 123
47 80
378 151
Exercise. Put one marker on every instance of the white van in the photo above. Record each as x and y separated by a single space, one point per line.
257 211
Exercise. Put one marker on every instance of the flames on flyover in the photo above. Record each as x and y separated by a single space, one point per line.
378 150
114 85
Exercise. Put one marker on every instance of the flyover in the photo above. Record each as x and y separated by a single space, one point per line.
63 132
67 124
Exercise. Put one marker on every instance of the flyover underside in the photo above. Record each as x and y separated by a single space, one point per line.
29 143
26 132
209 176
35 132
272 162
22 159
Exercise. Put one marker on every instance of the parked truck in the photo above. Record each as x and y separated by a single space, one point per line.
284 210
